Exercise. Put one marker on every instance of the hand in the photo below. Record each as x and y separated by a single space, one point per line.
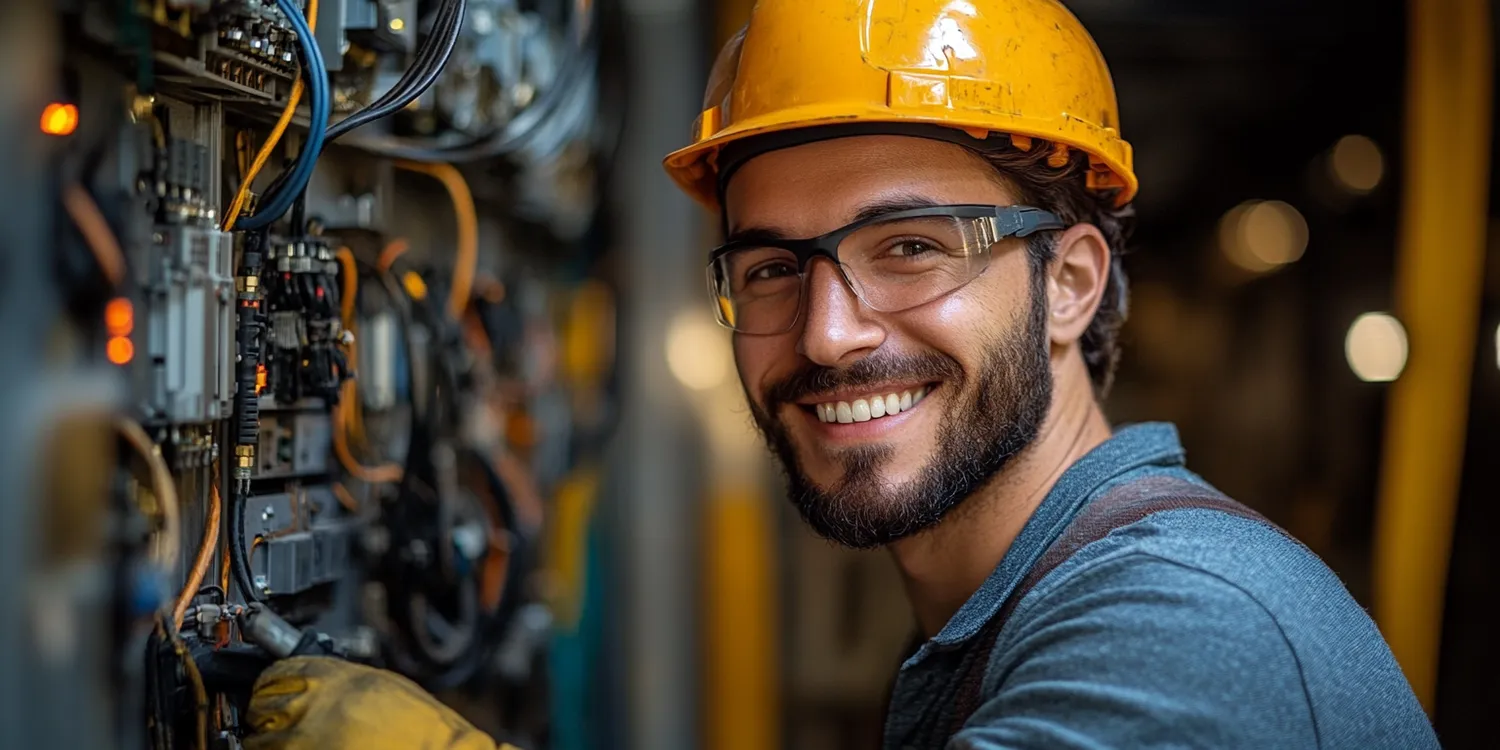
320 703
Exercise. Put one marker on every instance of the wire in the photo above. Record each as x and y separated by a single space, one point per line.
431 60
162 486
264 155
267 148
393 250
349 393
516 135
317 80
200 695
224 569
96 232
387 472
350 288
345 499
205 557
242 153
467 262
211 589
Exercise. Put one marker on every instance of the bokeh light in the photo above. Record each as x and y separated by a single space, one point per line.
1356 164
1376 347
697 351
1261 236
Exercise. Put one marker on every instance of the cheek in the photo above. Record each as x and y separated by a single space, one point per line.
959 325
980 312
759 358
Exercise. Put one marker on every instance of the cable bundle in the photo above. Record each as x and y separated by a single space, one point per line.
431 59
578 65
300 173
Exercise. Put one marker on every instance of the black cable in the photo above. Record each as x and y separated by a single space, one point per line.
214 589
521 132
246 404
446 30
431 60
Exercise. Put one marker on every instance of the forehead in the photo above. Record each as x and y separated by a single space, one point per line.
817 187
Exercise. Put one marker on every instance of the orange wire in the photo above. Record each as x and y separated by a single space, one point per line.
349 394
467 262
222 631
388 472
393 250
224 569
345 499
351 287
354 419
202 561
242 197
96 232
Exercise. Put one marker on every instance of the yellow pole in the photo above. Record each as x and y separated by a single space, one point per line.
1438 287
742 657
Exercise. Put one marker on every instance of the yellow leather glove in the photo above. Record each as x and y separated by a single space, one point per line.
320 703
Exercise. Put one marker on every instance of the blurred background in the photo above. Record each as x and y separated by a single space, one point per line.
1315 303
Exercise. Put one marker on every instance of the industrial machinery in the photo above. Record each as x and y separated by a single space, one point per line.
320 254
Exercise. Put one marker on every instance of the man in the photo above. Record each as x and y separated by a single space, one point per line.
925 203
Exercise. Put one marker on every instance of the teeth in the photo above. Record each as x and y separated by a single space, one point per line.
861 409
845 415
866 409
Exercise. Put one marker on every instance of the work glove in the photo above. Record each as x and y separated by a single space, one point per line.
322 703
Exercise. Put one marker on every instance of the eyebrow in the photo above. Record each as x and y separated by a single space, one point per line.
866 211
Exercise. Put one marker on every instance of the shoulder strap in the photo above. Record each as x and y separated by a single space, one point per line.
1121 506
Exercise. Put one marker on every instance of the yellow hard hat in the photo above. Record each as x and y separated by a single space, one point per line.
811 69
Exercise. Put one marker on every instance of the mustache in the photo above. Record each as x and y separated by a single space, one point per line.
813 379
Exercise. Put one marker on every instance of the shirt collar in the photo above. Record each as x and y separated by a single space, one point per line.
1151 444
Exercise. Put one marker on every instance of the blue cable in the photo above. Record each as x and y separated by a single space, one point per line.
322 109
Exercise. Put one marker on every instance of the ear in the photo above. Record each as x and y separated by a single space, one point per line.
1078 275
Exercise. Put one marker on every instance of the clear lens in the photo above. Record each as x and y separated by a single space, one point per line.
758 290
892 266
900 264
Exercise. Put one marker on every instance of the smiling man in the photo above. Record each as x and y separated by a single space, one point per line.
925 204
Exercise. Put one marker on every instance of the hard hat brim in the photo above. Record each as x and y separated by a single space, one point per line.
697 168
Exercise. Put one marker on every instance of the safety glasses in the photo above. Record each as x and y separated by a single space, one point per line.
892 262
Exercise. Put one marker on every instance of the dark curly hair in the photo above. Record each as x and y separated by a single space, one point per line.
1063 191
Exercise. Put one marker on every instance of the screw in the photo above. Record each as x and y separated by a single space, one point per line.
260 583
268 514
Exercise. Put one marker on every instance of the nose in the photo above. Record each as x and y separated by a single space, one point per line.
838 330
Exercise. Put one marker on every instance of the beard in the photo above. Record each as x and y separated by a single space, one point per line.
990 418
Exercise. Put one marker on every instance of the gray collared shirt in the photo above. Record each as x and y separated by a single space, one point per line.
1189 628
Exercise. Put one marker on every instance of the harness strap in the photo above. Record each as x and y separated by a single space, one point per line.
1121 506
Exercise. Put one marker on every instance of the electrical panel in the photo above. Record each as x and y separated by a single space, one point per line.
297 236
